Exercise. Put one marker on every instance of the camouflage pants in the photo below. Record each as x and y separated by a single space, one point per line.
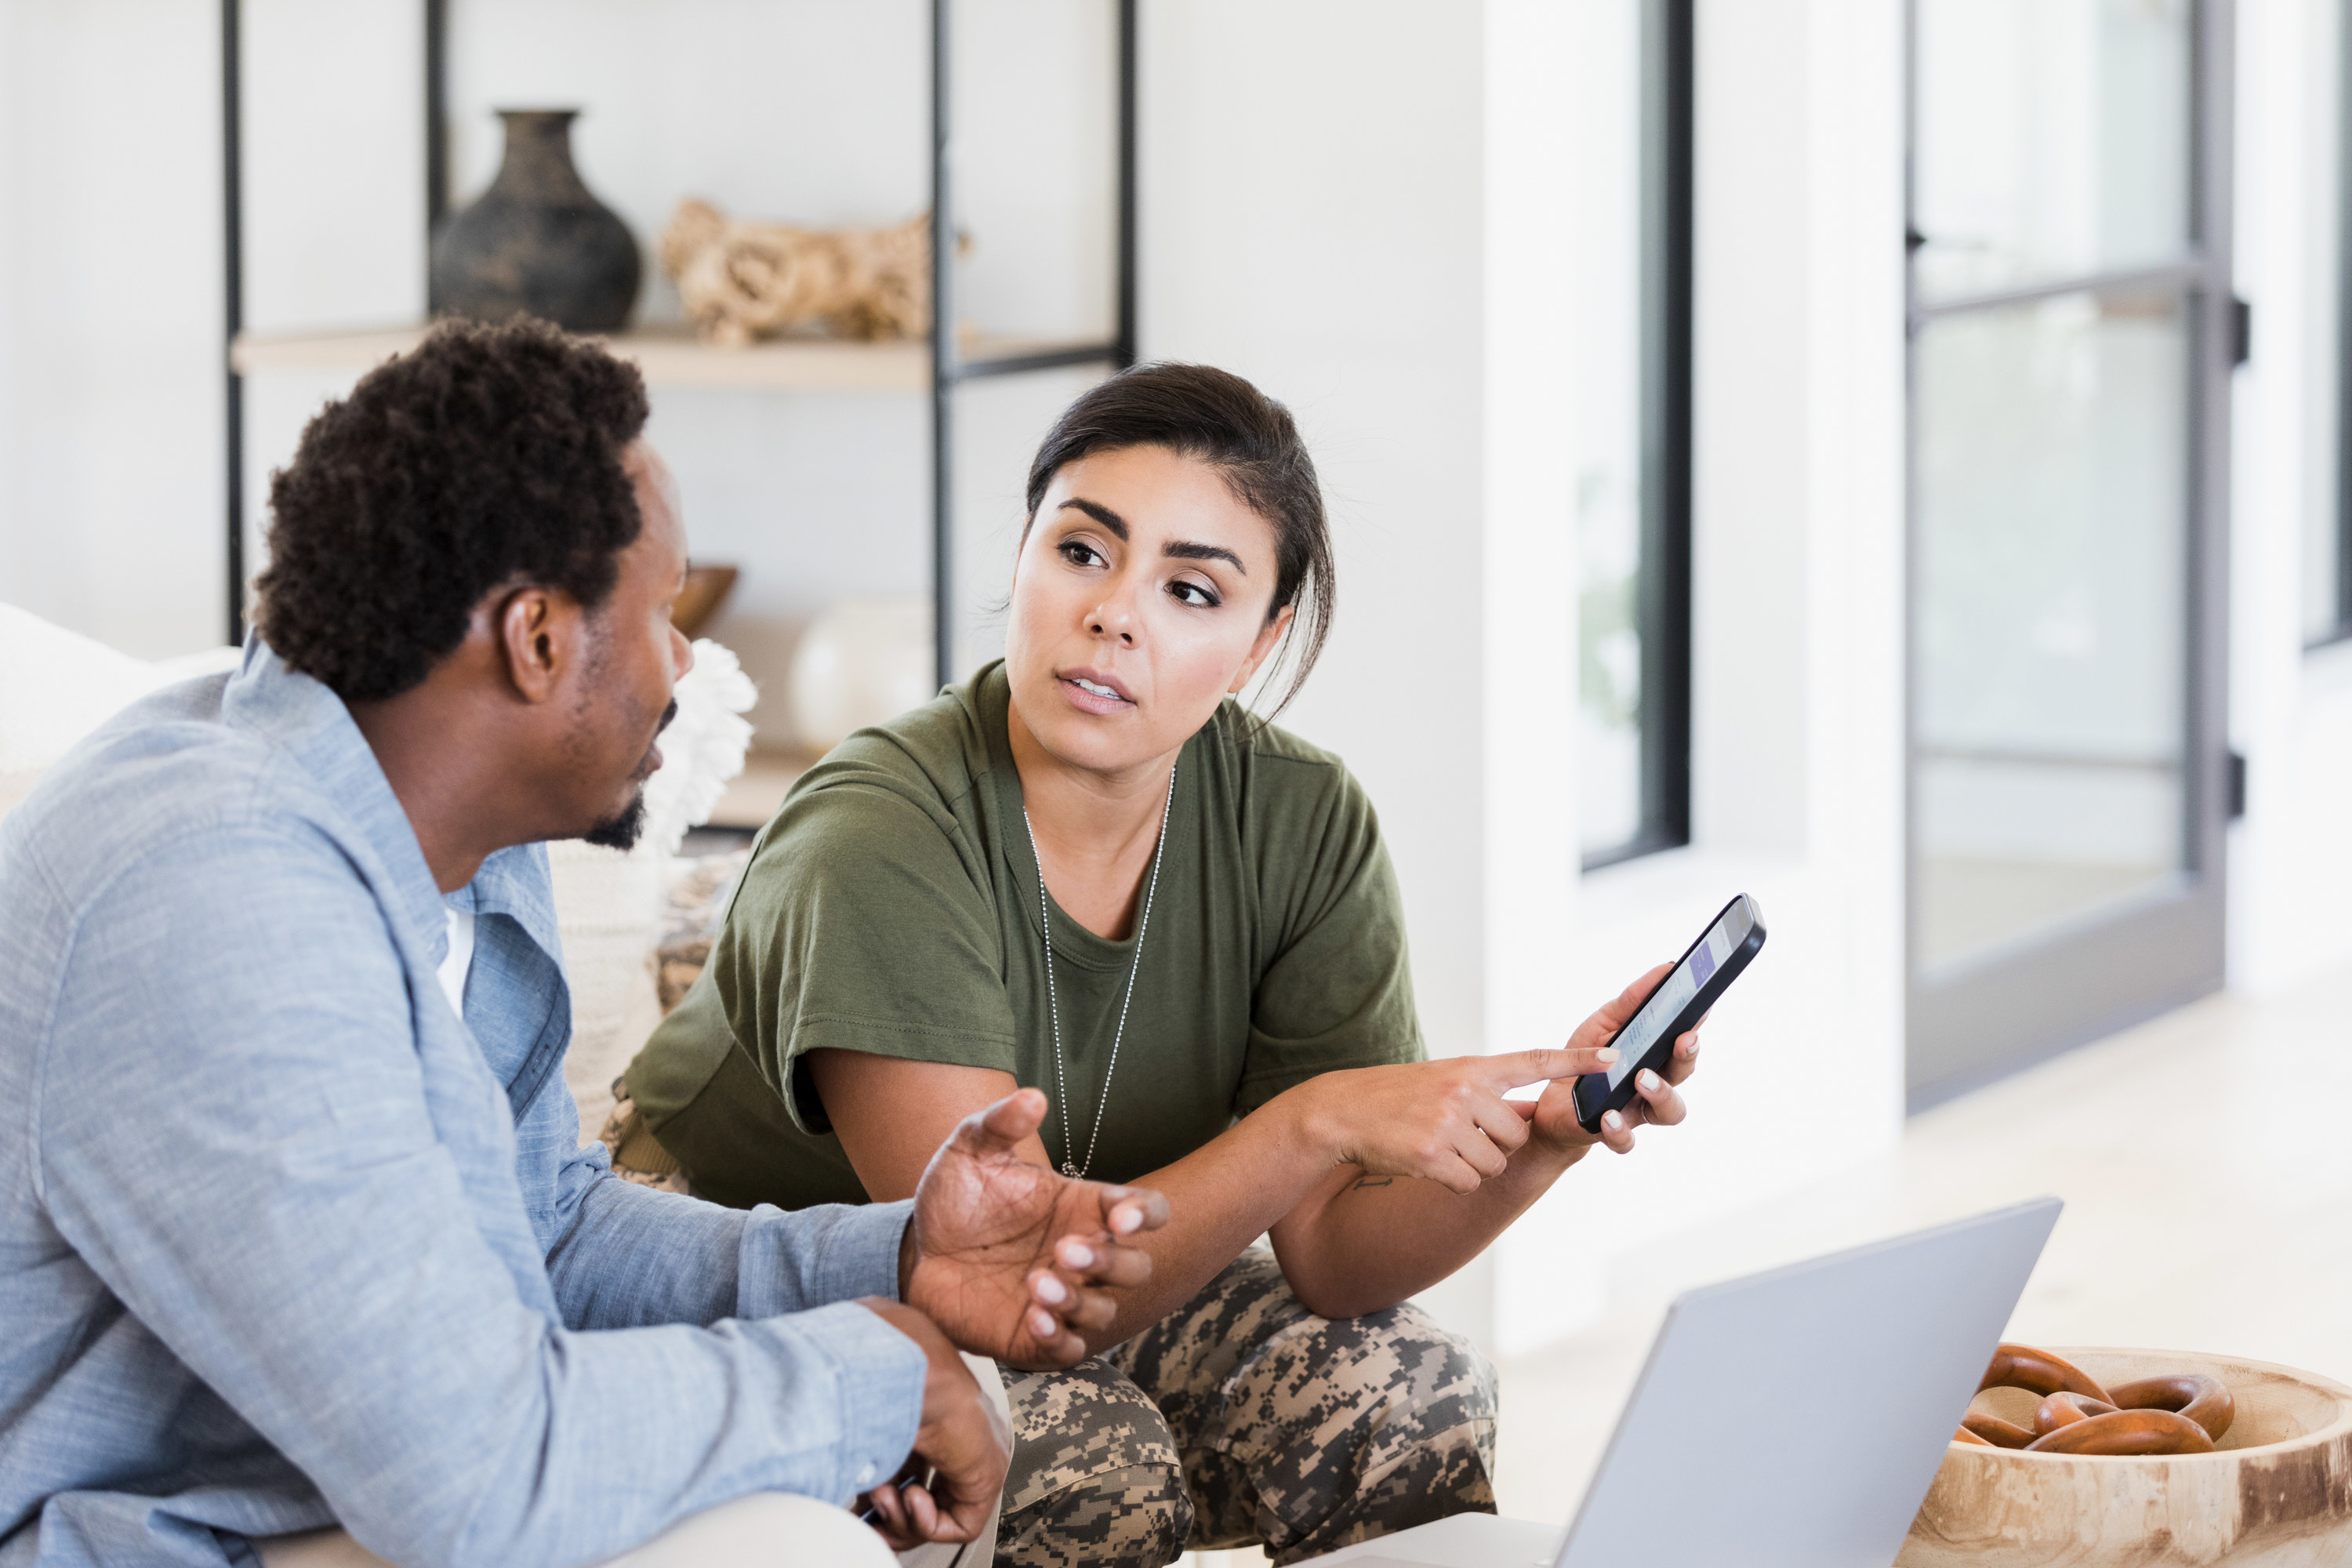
1242 1417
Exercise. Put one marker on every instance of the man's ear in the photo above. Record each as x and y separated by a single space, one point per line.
539 640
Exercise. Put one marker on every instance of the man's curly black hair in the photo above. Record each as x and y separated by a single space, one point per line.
487 455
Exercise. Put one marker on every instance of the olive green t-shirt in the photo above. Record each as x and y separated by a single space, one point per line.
891 906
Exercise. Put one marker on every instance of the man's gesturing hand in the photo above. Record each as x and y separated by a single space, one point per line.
1008 1257
957 1440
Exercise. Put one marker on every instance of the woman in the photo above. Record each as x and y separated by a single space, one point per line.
1091 870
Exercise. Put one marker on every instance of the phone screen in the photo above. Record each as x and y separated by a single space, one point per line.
1633 1041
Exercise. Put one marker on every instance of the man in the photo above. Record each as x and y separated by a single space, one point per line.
294 1227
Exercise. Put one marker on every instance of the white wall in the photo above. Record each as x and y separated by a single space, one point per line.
1312 221
2290 712
1797 785
111 448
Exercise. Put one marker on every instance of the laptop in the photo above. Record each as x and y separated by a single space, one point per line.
1793 1417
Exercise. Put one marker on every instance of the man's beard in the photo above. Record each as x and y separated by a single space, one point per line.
623 830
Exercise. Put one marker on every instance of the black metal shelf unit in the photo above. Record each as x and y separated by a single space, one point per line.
949 368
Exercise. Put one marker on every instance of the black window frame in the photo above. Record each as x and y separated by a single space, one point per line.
1662 592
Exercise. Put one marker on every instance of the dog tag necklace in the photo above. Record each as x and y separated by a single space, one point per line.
1070 1166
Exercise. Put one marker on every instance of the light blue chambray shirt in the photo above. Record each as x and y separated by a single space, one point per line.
284 1242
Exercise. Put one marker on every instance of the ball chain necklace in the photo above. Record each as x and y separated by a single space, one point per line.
1070 1167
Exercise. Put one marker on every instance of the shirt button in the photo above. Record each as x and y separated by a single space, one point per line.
865 1476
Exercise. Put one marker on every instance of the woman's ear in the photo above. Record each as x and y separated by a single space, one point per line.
1269 636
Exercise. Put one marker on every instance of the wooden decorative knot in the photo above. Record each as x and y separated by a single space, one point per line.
743 282
2153 1416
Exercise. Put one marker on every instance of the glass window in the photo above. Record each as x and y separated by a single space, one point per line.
2054 367
1630 287
2053 142
2053 534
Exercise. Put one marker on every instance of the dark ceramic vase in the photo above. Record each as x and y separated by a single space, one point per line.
536 244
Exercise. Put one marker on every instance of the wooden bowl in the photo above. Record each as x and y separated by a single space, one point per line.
706 589
2277 1489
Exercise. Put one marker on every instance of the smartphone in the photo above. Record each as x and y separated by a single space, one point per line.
1703 973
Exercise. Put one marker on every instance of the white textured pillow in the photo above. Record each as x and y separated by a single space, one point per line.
56 686
608 906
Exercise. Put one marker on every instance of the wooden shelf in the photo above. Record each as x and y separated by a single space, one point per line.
675 358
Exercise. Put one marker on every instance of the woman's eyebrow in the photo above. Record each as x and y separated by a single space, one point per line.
1102 514
1175 550
1185 550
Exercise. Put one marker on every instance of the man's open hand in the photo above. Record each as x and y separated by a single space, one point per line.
1009 1259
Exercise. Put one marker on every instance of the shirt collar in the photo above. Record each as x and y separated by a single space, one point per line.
309 722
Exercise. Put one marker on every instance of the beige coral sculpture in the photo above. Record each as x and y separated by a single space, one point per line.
743 282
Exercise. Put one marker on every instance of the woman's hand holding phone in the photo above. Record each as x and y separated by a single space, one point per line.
1656 1102
1443 1120
1447 1120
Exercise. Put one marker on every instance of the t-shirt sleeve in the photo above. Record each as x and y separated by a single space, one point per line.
1337 990
863 923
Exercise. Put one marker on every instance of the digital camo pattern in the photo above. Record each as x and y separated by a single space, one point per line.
1242 1417
1096 1477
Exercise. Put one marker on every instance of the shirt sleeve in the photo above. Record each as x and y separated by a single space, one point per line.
622 1256
863 923
631 1256
235 1132
1336 991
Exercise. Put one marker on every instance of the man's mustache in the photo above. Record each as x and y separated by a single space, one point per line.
645 764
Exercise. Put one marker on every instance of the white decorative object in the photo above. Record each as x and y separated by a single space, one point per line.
864 661
703 747
609 905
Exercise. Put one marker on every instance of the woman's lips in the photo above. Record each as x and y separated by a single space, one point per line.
1098 701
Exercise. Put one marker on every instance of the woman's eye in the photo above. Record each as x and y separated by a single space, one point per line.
1193 593
1078 553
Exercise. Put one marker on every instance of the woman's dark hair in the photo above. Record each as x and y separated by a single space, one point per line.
1198 411
486 455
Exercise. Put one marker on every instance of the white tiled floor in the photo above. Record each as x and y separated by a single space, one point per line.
2206 1162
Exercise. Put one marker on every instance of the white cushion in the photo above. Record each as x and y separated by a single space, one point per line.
56 686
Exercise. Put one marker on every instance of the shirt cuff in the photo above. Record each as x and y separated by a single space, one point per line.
813 1256
879 1379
